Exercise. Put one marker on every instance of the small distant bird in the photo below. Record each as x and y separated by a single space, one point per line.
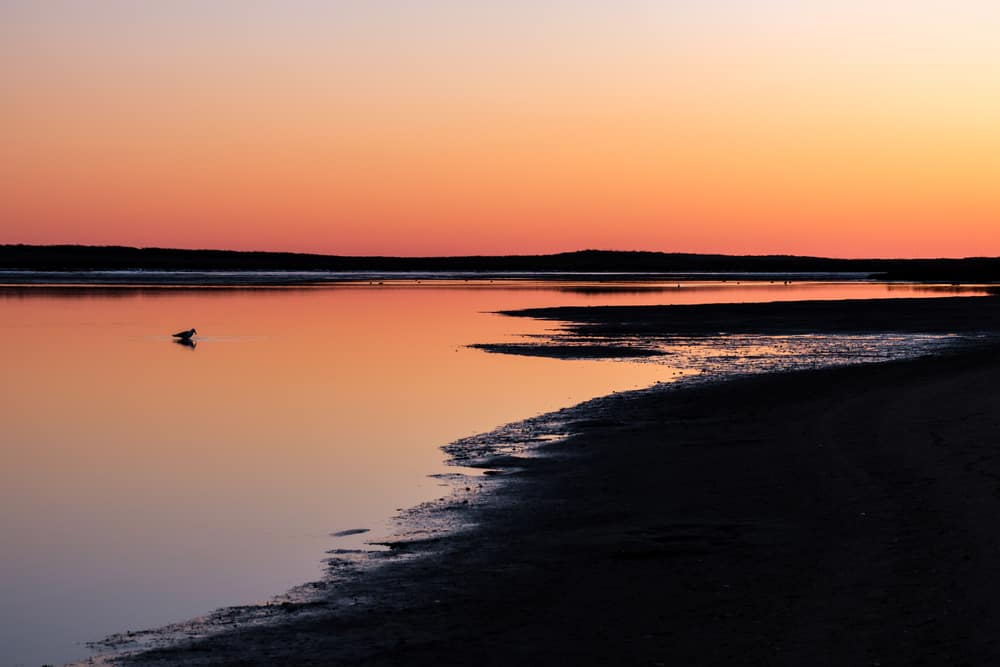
185 335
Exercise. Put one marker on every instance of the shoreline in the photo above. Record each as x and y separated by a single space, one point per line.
89 257
615 474
819 519
949 314
222 278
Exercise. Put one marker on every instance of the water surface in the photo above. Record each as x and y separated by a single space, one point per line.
143 482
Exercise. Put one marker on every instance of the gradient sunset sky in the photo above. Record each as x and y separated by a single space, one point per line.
839 128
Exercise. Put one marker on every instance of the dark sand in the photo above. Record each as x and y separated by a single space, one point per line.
960 314
581 351
829 517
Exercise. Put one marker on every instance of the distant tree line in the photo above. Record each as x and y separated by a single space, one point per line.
81 258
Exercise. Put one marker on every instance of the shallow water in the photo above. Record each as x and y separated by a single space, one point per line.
144 482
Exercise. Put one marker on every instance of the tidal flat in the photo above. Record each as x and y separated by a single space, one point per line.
831 515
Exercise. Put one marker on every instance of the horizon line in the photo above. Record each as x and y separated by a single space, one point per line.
116 246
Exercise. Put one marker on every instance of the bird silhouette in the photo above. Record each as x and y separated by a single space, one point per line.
186 335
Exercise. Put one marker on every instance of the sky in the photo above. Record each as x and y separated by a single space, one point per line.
838 128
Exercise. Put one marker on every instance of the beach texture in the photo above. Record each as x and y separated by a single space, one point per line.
831 517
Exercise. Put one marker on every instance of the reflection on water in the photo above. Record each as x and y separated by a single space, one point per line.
142 483
716 356
655 291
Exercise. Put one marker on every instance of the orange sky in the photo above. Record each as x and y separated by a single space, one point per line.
828 128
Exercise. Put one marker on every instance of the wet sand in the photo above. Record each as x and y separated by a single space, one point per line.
829 517
959 314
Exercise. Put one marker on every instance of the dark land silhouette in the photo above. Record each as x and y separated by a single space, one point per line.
96 258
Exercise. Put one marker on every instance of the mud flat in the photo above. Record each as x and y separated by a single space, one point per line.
841 516
960 314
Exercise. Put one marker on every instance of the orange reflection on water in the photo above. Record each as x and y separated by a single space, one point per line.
166 481
173 480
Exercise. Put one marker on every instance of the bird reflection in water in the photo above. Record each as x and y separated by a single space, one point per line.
186 338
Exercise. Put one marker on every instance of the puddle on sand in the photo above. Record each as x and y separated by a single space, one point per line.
720 356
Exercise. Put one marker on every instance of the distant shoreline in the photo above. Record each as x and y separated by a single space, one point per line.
60 258
278 278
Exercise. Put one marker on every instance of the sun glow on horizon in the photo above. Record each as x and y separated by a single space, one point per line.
815 128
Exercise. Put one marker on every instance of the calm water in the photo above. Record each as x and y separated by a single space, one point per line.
142 482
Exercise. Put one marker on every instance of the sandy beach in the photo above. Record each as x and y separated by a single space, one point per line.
824 517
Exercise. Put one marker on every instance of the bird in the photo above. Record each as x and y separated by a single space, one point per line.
185 335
